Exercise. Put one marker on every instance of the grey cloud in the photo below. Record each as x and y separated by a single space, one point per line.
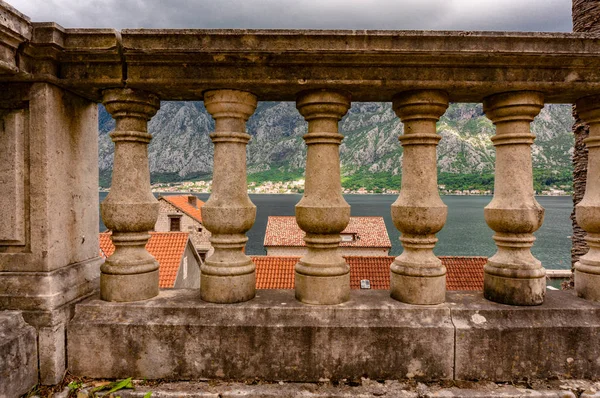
514 15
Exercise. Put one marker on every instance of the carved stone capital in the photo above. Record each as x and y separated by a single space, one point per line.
126 103
420 105
513 106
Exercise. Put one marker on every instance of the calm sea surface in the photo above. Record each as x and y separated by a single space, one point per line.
465 232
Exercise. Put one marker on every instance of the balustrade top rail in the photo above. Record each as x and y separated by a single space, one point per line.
277 64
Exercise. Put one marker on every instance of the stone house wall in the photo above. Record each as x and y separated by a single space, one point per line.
198 234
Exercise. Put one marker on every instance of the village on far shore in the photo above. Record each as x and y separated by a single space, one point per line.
297 187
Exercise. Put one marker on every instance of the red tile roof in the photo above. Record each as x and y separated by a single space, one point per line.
370 232
167 247
183 204
463 273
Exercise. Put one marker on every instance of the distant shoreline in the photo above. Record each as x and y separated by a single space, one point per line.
353 193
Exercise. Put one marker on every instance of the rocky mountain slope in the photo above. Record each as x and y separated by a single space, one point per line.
181 147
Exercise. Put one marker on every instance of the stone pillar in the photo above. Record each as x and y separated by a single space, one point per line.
587 269
228 275
49 257
417 275
322 275
513 276
130 210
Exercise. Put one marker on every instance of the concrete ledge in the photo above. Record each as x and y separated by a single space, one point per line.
18 355
559 339
176 336
273 337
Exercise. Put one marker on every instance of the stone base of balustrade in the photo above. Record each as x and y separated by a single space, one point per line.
587 285
273 337
18 355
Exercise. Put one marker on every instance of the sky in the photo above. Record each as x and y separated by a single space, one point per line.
509 15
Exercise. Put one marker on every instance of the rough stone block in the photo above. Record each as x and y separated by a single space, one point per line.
558 339
273 337
18 355
52 354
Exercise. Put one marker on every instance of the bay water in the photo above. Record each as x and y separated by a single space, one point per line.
465 232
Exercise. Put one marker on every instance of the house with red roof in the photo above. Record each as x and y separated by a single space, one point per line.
463 273
183 213
364 236
179 262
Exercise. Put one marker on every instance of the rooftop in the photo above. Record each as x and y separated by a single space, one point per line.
368 231
167 247
463 273
190 207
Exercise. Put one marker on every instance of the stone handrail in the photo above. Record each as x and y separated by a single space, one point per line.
277 64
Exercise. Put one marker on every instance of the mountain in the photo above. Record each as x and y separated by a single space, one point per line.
181 148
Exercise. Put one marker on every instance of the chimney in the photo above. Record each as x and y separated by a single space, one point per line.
192 200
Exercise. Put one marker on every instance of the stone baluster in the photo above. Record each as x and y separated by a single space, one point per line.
417 275
513 276
587 269
228 275
130 210
322 275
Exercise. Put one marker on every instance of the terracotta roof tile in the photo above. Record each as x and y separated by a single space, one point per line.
183 204
167 247
275 272
370 231
464 273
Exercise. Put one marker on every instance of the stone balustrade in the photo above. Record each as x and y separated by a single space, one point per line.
228 275
130 210
322 275
52 78
417 275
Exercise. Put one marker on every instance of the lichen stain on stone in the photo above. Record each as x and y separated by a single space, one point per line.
478 319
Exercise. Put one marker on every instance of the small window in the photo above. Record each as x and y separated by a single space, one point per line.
365 284
347 237
199 229
174 223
